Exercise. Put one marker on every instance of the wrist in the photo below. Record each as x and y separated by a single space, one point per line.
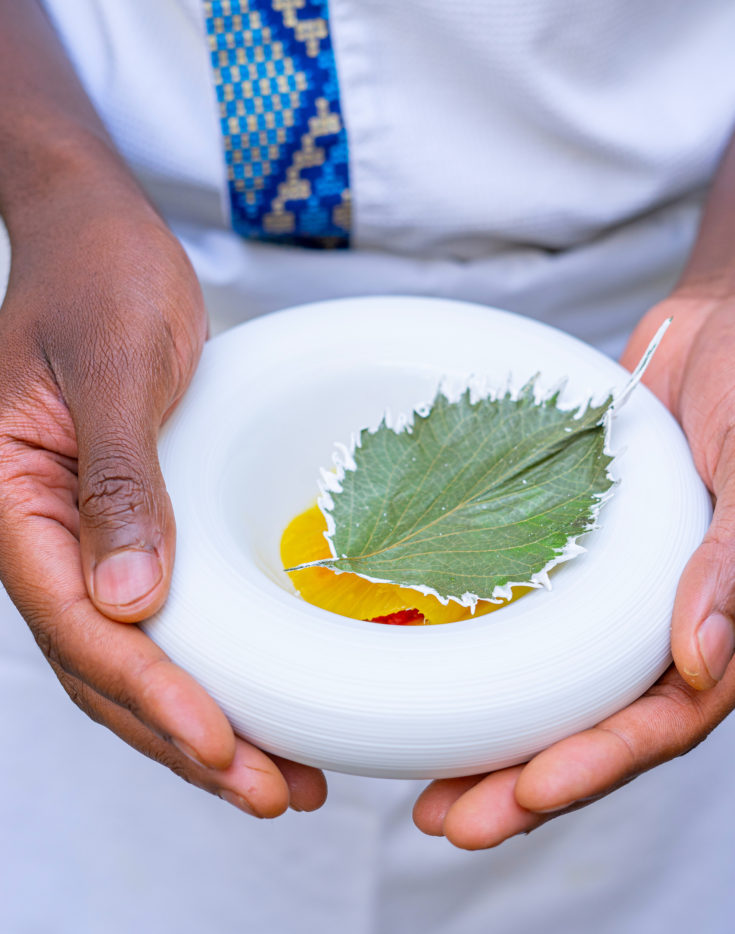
63 174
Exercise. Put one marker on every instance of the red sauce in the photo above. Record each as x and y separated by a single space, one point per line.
401 618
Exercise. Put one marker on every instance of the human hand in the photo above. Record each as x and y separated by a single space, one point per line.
692 374
100 331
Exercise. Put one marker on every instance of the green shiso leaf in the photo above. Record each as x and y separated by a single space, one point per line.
472 496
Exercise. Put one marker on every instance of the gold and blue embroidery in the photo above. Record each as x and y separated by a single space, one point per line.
285 141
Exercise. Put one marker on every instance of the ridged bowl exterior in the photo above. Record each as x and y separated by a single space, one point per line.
241 457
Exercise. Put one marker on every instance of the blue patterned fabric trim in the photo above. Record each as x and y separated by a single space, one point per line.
285 142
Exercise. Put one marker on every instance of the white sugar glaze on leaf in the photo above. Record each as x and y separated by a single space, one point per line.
471 496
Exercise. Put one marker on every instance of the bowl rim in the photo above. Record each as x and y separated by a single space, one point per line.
392 701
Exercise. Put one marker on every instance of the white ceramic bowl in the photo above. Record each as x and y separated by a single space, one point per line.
241 458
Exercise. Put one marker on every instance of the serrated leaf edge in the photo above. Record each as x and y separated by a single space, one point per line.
330 481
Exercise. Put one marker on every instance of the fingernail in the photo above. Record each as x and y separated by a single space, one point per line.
236 800
187 750
716 637
126 576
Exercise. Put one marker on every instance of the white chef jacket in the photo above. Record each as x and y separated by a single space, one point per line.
547 156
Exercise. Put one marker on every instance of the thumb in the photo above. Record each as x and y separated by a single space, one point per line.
127 530
703 622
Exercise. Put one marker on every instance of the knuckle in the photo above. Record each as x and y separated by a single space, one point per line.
684 721
128 692
47 641
166 755
54 634
721 535
174 761
722 530
110 494
625 745
119 694
81 696
720 445
717 555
